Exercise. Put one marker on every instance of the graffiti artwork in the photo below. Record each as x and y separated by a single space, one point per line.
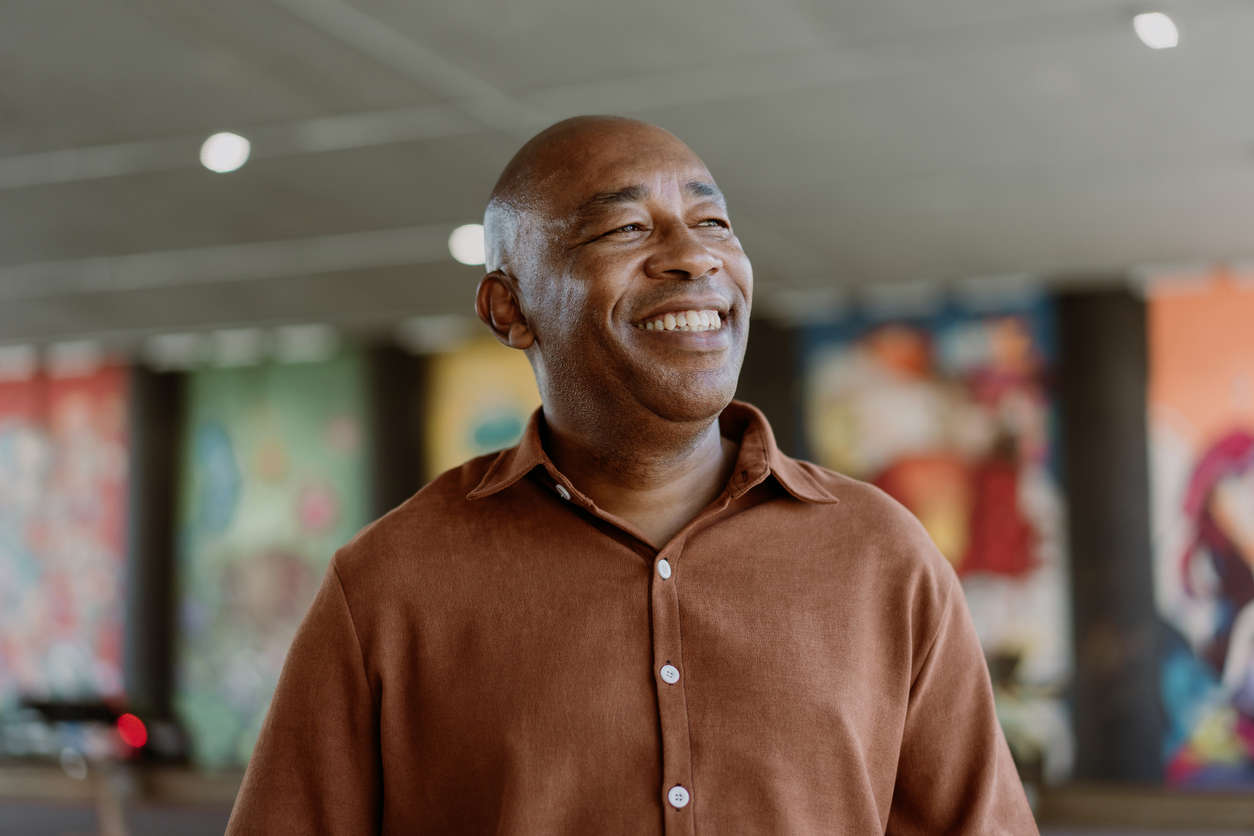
275 478
951 414
1201 424
63 510
480 397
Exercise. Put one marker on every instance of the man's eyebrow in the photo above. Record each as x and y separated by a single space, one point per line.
627 194
639 192
702 189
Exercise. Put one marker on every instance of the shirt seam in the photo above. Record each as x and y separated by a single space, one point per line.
352 623
931 646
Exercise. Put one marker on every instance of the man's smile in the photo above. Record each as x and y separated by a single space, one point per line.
685 320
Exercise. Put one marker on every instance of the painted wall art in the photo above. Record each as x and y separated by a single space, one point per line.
274 478
480 397
1201 436
949 411
63 536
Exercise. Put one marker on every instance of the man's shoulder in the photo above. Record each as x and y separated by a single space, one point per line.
884 530
435 514
854 497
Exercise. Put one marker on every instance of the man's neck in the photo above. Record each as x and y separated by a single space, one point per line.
657 475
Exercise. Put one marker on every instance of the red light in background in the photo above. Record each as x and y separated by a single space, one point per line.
132 731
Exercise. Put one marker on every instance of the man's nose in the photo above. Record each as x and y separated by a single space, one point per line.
682 255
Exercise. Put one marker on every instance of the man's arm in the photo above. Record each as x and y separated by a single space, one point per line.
955 774
316 765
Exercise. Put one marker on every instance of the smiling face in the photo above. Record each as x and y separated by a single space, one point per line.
618 248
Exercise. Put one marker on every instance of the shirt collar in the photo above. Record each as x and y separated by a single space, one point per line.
758 457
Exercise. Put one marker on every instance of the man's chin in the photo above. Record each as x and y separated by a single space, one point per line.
688 404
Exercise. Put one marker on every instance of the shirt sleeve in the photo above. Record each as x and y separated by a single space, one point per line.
955 774
316 765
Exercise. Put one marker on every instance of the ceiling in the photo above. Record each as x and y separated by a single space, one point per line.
862 145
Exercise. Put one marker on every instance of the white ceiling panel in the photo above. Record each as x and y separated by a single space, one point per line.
858 142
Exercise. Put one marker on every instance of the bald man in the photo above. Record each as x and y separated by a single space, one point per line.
643 618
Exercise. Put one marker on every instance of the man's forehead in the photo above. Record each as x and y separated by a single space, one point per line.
584 166
640 192
633 178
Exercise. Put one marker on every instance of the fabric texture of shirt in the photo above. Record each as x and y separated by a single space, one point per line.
499 655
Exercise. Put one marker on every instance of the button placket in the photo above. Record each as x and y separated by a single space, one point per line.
677 786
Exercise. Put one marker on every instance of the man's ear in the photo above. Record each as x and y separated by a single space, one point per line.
497 305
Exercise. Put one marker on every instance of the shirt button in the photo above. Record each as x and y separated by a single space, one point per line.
670 675
678 797
562 492
664 568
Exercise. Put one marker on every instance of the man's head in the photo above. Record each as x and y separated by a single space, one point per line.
599 232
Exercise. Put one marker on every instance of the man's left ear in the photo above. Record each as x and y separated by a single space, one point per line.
497 305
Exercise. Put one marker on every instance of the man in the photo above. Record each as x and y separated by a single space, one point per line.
644 618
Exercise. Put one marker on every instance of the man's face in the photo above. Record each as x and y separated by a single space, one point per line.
632 232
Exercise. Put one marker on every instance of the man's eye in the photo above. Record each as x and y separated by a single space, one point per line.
627 228
715 222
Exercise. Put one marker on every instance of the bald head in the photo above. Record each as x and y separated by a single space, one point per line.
598 229
547 172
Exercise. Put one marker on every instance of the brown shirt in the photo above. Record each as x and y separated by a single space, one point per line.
499 655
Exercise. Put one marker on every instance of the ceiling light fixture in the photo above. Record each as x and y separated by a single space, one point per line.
1156 30
18 362
75 358
224 152
435 333
304 343
234 347
466 244
175 352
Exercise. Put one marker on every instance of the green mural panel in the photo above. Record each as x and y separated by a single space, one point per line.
274 478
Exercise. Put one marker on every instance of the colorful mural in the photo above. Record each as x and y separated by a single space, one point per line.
480 397
1201 425
951 414
275 478
63 510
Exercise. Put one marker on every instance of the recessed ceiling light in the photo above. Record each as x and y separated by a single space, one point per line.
238 347
76 358
175 352
304 343
466 244
434 334
224 152
18 362
1156 30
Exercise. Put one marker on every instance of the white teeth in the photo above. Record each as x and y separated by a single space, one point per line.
684 321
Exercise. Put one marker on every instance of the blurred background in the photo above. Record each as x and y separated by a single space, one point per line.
1005 270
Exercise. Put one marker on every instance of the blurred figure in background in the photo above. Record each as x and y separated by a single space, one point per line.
1217 570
